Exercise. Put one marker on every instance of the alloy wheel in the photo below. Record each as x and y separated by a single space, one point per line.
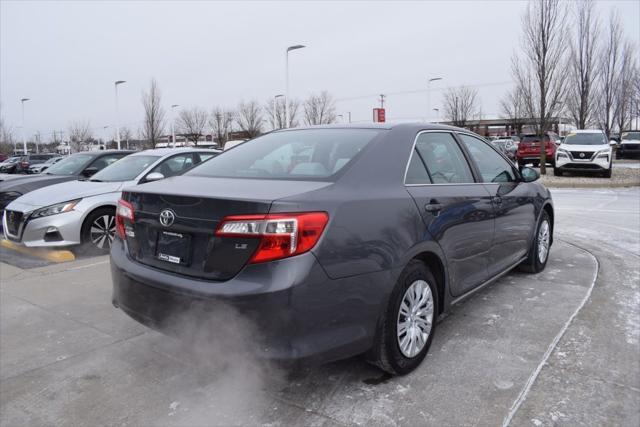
415 318
102 232
543 241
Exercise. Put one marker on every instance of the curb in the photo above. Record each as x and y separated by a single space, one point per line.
51 255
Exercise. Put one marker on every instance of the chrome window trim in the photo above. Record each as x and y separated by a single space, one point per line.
413 149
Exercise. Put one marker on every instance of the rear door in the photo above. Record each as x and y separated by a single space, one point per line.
513 206
457 211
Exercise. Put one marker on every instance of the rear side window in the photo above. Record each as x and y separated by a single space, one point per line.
492 166
297 154
444 159
416 172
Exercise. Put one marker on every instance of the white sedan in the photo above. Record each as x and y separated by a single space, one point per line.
83 212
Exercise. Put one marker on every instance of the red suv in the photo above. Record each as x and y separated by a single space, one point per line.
529 148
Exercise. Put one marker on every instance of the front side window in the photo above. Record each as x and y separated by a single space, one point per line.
444 159
295 154
585 139
126 169
492 166
174 165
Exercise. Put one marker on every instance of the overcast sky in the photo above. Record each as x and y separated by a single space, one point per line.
65 56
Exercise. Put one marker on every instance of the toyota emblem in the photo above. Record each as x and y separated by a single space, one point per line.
167 217
582 155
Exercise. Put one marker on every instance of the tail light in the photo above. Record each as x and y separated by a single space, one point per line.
124 211
281 235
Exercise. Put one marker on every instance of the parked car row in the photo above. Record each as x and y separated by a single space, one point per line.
73 202
25 163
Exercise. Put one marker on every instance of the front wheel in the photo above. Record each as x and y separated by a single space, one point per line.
98 231
607 173
408 325
557 172
539 251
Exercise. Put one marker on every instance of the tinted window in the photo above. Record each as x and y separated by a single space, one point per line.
444 159
416 172
585 139
296 154
492 166
174 165
125 169
104 161
71 165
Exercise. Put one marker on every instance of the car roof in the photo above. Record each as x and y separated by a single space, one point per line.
167 151
417 126
586 131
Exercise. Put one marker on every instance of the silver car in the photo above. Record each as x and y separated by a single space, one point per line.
82 212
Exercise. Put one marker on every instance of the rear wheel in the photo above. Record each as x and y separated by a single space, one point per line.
557 172
98 231
539 251
408 326
535 164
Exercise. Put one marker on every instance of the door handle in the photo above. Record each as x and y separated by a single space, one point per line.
433 206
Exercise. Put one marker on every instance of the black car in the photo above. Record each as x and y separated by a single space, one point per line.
22 164
80 165
329 241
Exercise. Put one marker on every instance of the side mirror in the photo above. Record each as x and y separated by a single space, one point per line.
529 174
613 143
90 171
154 176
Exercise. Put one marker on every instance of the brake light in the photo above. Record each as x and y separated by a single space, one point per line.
123 211
281 235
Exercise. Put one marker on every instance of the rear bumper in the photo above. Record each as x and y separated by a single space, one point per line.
287 310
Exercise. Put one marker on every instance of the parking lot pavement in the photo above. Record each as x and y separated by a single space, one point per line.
524 351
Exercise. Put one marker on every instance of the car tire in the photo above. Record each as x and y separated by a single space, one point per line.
607 173
535 164
98 231
390 352
557 172
535 262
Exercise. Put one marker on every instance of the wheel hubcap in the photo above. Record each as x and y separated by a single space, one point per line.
415 318
543 241
103 231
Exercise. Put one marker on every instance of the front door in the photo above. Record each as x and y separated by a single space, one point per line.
456 210
513 206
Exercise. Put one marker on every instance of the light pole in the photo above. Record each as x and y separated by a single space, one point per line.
286 93
24 134
275 111
173 126
433 79
106 135
349 113
341 118
437 110
118 82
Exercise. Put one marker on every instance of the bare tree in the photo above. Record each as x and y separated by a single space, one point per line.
249 118
153 125
221 121
460 105
192 123
7 141
608 76
79 134
319 109
276 118
512 108
540 72
626 86
583 66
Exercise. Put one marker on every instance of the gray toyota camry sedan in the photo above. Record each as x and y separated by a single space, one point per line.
331 241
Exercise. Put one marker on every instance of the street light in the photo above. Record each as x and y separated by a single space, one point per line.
118 82
173 126
286 93
433 79
275 111
437 110
104 131
24 134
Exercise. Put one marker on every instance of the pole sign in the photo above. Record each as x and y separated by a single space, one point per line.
378 115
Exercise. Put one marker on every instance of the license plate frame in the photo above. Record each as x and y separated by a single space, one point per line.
173 247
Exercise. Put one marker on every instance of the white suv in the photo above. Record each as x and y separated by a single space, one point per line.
584 151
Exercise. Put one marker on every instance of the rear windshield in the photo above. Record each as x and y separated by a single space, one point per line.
125 169
530 138
72 165
296 154
585 139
